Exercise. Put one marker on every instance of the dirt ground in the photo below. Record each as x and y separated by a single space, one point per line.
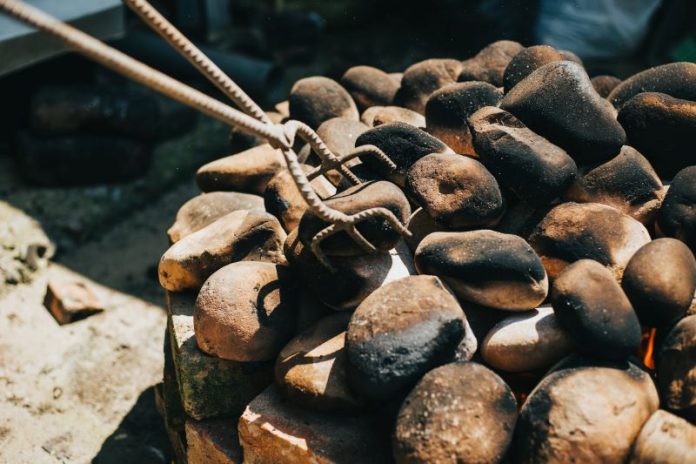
83 392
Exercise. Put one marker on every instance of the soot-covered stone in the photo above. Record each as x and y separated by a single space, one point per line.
677 216
489 64
662 128
558 102
378 115
379 232
585 410
627 182
455 190
485 267
246 311
400 332
422 79
675 79
527 61
527 164
316 99
448 110
593 309
604 84
369 86
403 143
573 231
676 369
660 281
420 224
460 412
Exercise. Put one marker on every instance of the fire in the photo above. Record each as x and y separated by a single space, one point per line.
647 348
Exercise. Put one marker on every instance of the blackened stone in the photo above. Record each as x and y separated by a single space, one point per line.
81 159
378 115
369 86
675 79
662 128
379 232
420 224
660 281
558 102
676 370
422 79
314 100
526 62
400 332
627 182
455 190
489 64
592 308
604 84
460 412
485 267
677 216
448 110
403 143
527 164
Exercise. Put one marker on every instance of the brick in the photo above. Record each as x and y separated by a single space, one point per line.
213 441
71 301
272 430
209 386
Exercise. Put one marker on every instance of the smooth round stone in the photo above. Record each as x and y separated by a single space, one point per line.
627 182
558 102
660 281
316 99
340 134
455 190
468 346
591 307
585 410
675 79
528 165
448 110
282 198
206 208
379 232
570 56
521 218
403 143
526 62
248 171
246 311
378 115
662 128
460 412
676 369
573 231
527 341
238 236
677 215
369 86
312 368
400 332
420 224
485 267
489 64
422 79
604 84
665 438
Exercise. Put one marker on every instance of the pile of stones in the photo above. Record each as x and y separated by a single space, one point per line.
540 310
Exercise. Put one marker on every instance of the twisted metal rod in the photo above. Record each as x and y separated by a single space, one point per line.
196 57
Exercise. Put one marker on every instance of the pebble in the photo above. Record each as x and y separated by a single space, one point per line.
448 110
242 235
593 309
422 79
675 79
604 84
460 412
369 86
526 62
455 190
485 267
665 438
246 311
248 171
677 216
558 102
206 208
526 342
399 332
676 369
316 99
528 165
378 115
489 64
662 128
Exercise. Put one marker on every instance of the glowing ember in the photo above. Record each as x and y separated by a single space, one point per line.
647 347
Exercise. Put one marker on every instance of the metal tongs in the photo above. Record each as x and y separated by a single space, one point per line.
251 119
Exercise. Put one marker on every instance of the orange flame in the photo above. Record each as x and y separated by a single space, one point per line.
647 348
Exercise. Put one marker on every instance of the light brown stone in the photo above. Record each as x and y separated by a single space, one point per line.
71 301
378 115
665 439
213 441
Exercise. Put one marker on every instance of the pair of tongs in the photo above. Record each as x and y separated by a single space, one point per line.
252 119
